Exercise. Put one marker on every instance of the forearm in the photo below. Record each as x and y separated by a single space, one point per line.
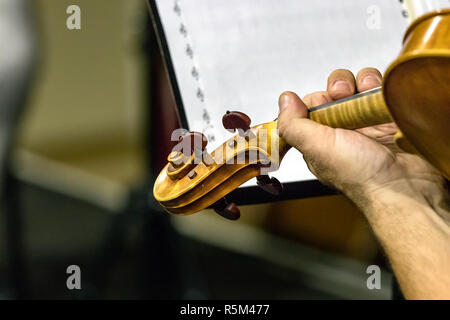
414 230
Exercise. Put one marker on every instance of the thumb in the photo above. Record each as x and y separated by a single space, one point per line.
304 134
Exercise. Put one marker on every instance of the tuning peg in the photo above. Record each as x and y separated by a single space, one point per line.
270 185
233 120
191 142
227 210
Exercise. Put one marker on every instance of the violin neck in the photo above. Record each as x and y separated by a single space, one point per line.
361 110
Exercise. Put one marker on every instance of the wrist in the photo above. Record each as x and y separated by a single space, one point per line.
376 201
430 188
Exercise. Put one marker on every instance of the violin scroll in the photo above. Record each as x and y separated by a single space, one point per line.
189 151
194 179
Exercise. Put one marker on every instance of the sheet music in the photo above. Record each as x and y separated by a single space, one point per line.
241 54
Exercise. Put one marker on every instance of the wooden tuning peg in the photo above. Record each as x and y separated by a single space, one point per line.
227 210
233 120
270 185
191 142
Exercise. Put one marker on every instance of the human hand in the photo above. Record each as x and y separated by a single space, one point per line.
401 194
357 162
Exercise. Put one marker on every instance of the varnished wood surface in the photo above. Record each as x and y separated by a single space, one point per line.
362 110
211 183
417 88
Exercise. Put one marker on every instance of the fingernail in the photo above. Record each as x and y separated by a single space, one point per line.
341 85
371 80
283 101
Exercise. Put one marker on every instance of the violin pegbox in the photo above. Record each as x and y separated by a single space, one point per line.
194 180
238 121
190 150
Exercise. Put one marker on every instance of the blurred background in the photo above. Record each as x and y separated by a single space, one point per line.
85 120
